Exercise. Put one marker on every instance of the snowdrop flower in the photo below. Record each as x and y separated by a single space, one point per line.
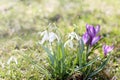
52 36
73 35
69 43
48 36
12 59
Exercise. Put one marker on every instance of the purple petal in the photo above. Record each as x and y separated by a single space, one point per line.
107 49
110 48
95 40
97 29
103 47
87 26
85 38
91 31
104 50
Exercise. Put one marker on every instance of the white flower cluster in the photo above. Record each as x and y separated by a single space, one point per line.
48 36
51 36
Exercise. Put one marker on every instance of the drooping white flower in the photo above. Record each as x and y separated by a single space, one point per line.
12 59
48 36
69 43
52 37
73 35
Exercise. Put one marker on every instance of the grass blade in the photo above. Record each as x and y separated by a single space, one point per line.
100 68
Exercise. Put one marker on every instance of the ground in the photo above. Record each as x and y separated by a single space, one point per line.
22 20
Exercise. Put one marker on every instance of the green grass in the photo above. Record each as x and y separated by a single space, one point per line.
21 20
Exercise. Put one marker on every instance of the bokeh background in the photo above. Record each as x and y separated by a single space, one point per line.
21 20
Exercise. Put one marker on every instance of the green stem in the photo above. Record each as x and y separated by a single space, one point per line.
87 52
89 69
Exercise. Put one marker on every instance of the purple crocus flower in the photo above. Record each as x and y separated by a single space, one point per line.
90 37
92 31
107 49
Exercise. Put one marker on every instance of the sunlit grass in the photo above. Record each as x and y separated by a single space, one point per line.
21 20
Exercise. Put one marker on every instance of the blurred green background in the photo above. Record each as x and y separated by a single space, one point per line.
21 20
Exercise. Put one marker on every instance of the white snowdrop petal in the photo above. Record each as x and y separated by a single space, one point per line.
71 44
52 36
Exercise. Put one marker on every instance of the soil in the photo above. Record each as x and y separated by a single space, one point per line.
76 76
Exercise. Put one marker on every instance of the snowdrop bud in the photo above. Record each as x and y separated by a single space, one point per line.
12 59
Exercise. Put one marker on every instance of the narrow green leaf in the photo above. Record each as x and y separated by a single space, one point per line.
88 71
80 52
50 55
88 64
100 68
